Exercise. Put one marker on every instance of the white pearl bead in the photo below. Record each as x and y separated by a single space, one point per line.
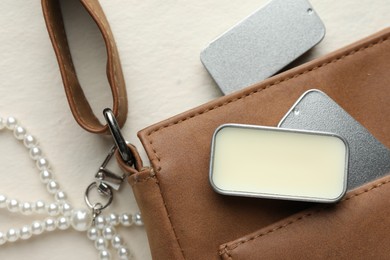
42 163
108 232
19 132
2 123
37 227
3 201
52 186
40 207
101 243
137 218
3 239
81 219
66 209
117 241
104 255
13 205
93 233
10 123
60 196
12 235
63 223
100 222
25 232
45 176
126 219
124 253
50 224
53 209
35 152
26 208
29 141
112 219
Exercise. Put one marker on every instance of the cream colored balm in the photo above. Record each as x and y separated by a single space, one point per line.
278 163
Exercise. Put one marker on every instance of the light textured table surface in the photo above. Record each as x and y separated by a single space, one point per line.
159 43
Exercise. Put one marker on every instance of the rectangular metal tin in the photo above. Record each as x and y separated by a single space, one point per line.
262 44
276 196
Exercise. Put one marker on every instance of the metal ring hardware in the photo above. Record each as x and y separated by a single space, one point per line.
97 207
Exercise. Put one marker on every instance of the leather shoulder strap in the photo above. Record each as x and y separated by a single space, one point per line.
78 103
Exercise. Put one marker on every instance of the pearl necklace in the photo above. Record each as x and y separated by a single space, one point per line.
60 214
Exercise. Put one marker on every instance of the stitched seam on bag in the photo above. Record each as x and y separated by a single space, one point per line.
136 179
154 177
353 52
144 179
226 253
234 246
155 155
169 218
229 249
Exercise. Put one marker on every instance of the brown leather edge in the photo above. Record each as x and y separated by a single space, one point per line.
146 134
78 103
226 249
150 200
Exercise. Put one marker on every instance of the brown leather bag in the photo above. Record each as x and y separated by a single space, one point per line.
186 219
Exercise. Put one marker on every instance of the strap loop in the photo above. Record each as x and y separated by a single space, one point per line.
78 103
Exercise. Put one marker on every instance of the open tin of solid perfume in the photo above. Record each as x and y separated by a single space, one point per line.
277 163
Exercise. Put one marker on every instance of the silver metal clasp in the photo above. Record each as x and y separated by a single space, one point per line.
105 182
120 142
106 179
